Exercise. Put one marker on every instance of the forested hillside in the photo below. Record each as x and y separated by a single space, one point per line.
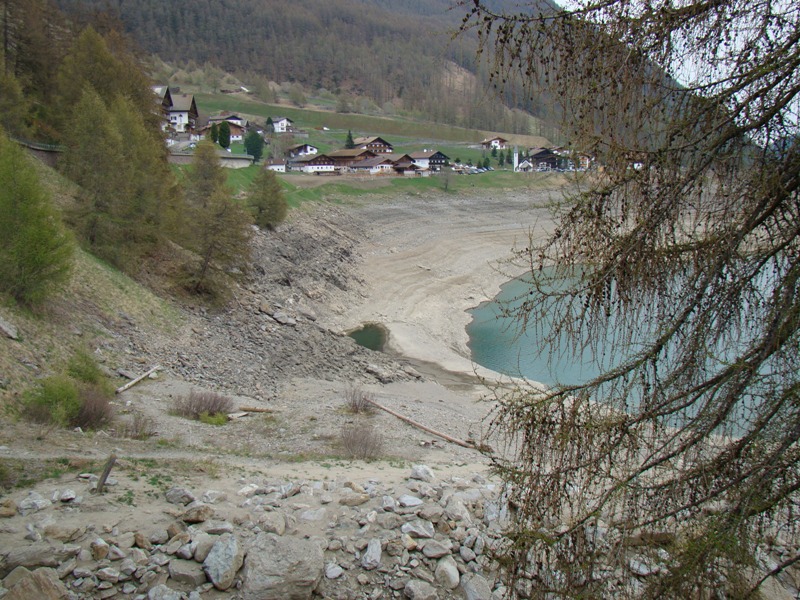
400 55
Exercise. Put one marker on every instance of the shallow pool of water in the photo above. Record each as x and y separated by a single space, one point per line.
370 335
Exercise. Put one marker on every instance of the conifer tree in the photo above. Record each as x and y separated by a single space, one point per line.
254 145
217 227
13 104
349 143
267 200
224 138
35 255
214 132
126 186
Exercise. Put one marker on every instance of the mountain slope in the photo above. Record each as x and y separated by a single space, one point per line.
399 54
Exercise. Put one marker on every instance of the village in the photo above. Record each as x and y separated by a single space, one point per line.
366 155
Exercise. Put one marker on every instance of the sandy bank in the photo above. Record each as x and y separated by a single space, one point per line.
428 260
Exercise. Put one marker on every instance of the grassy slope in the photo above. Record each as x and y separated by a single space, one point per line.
404 134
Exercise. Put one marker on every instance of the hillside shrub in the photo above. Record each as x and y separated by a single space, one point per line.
358 401
138 427
195 404
55 400
83 367
361 441
95 408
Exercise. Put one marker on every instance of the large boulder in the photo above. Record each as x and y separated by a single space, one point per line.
280 568
223 561
42 584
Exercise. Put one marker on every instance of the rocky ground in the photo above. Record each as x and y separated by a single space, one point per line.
276 481
271 504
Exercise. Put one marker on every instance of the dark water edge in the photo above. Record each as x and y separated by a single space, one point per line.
372 336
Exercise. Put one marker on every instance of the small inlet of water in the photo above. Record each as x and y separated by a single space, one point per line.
370 335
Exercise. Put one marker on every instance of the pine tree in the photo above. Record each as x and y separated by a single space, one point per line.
13 105
349 143
217 228
126 186
267 200
35 255
224 135
214 132
254 145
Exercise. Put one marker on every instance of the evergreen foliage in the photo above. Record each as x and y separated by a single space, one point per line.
127 190
267 200
35 253
217 229
214 132
13 105
224 134
254 145
349 143
91 64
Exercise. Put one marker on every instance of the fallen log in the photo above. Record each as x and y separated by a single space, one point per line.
444 436
255 409
133 382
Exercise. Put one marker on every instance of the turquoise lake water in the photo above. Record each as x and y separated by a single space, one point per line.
496 343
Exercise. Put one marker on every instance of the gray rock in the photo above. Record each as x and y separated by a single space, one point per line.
99 548
416 589
313 515
31 556
388 504
218 527
202 544
436 549
41 584
372 557
223 561
432 513
213 496
279 568
33 502
273 522
418 528
187 571
467 555
457 511
475 587
67 495
284 319
162 592
8 329
408 501
198 513
17 575
108 574
333 571
179 495
422 473
447 573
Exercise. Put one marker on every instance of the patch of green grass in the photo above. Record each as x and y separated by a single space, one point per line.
18 473
127 498
215 419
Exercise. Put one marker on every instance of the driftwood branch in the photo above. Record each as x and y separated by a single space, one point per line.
255 409
444 436
106 472
133 382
